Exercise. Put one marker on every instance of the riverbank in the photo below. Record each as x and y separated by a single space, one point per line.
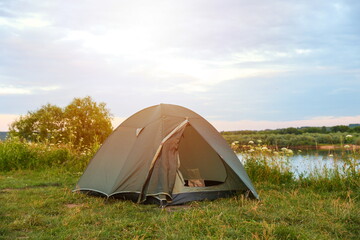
347 147
325 147
339 147
310 140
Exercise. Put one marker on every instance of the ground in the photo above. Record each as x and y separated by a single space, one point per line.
41 205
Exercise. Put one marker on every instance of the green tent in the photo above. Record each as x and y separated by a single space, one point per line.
165 154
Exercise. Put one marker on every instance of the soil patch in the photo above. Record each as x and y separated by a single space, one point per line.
73 205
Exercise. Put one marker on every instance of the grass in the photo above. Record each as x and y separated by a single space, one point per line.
41 205
38 203
16 154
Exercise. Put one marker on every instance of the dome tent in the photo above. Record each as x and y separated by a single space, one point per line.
165 154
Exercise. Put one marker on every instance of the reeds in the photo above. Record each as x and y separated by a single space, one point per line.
265 165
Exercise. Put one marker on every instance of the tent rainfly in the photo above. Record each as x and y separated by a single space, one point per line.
165 154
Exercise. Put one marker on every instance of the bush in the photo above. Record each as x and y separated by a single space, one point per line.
16 154
260 169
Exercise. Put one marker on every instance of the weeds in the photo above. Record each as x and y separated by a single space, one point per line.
16 154
265 165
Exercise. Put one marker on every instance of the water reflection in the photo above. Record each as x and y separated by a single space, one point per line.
307 161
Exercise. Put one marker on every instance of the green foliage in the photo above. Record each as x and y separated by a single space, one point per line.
290 130
82 123
294 140
340 128
344 176
88 121
16 154
265 165
352 128
260 169
39 125
355 129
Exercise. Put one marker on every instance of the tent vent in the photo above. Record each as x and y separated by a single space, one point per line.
138 131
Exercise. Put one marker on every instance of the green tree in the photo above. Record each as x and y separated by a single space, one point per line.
355 129
312 130
82 123
45 124
324 129
291 130
87 121
340 128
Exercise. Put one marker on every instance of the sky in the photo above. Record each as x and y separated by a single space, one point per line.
240 64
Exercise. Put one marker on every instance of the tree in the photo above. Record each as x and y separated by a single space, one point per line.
324 129
356 129
87 122
42 125
82 123
312 130
340 128
290 130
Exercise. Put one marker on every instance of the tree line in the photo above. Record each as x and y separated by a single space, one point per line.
298 131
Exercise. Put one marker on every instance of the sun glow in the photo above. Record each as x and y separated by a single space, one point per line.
130 33
21 90
33 21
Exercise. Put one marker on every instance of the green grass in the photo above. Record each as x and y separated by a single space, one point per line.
41 205
37 202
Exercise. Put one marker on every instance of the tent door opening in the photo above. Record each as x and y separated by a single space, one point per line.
198 163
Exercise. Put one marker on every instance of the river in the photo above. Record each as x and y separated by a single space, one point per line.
307 161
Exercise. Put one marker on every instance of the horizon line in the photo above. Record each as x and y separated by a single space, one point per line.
240 125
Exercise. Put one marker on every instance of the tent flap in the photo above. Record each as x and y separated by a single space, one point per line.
161 175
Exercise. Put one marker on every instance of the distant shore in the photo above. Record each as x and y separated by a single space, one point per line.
325 147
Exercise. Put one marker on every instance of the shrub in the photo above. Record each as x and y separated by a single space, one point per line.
260 169
16 154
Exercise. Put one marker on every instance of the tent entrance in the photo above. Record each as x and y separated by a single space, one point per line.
198 163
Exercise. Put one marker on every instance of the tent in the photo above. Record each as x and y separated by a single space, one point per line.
165 154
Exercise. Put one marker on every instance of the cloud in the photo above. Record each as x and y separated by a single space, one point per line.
13 90
266 60
34 21
20 90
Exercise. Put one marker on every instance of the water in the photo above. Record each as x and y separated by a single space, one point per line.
305 162
310 161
